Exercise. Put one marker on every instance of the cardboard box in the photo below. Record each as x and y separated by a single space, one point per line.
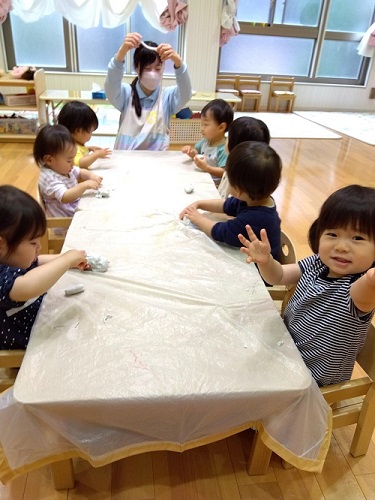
19 99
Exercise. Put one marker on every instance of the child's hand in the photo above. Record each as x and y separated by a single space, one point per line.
201 162
102 152
190 151
166 51
194 206
77 259
258 251
92 183
96 178
191 212
186 149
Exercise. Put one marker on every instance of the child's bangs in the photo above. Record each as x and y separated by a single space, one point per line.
359 216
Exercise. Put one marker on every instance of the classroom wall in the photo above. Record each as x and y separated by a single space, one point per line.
202 52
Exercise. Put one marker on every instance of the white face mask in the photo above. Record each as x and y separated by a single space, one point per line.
150 79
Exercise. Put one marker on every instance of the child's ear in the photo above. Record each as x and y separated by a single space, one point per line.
223 127
47 159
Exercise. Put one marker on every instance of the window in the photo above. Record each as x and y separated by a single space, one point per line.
75 49
312 40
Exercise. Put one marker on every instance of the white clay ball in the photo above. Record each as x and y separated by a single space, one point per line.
189 188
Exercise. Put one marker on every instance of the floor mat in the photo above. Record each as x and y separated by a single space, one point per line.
291 126
360 126
281 125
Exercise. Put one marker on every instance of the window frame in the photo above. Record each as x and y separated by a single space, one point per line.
317 33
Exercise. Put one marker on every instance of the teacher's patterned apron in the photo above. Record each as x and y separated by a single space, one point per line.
147 132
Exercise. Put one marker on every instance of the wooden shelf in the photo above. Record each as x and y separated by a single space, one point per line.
39 84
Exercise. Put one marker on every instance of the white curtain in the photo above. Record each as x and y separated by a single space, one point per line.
87 13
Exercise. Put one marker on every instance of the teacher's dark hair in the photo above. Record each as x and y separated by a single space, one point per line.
142 57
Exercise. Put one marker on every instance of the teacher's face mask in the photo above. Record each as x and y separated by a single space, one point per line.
150 79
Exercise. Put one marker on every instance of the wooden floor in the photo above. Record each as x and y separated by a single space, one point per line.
312 169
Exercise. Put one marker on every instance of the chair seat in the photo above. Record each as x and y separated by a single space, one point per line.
282 92
250 92
228 91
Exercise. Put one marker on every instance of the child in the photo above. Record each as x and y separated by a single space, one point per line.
54 152
145 107
254 171
81 121
243 129
216 118
25 276
331 309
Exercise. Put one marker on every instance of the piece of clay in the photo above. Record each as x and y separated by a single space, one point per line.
148 46
102 193
97 262
189 188
74 289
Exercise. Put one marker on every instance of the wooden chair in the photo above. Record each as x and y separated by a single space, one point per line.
10 361
281 293
353 402
249 89
51 242
227 84
281 89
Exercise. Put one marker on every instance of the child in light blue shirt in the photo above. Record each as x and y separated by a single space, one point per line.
209 154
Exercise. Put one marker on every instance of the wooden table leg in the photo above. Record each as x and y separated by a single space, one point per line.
63 474
259 458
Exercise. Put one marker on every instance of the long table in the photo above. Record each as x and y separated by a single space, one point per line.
177 345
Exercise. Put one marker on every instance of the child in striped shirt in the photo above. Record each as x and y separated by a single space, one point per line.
333 304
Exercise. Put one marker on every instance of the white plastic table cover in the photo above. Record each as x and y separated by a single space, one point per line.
178 344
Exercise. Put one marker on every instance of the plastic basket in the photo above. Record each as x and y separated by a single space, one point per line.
18 126
185 131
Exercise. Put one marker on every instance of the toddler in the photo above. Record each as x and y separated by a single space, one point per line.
254 171
209 153
25 276
331 309
54 152
245 128
81 121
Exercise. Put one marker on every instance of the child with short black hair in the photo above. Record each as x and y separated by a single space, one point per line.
209 153
25 276
254 171
54 152
333 304
245 128
81 121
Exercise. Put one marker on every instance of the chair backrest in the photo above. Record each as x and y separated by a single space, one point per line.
287 250
366 357
52 242
249 82
227 83
281 83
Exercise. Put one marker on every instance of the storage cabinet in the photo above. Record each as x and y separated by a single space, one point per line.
19 86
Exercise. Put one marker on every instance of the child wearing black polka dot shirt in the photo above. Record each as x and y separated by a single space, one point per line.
25 276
